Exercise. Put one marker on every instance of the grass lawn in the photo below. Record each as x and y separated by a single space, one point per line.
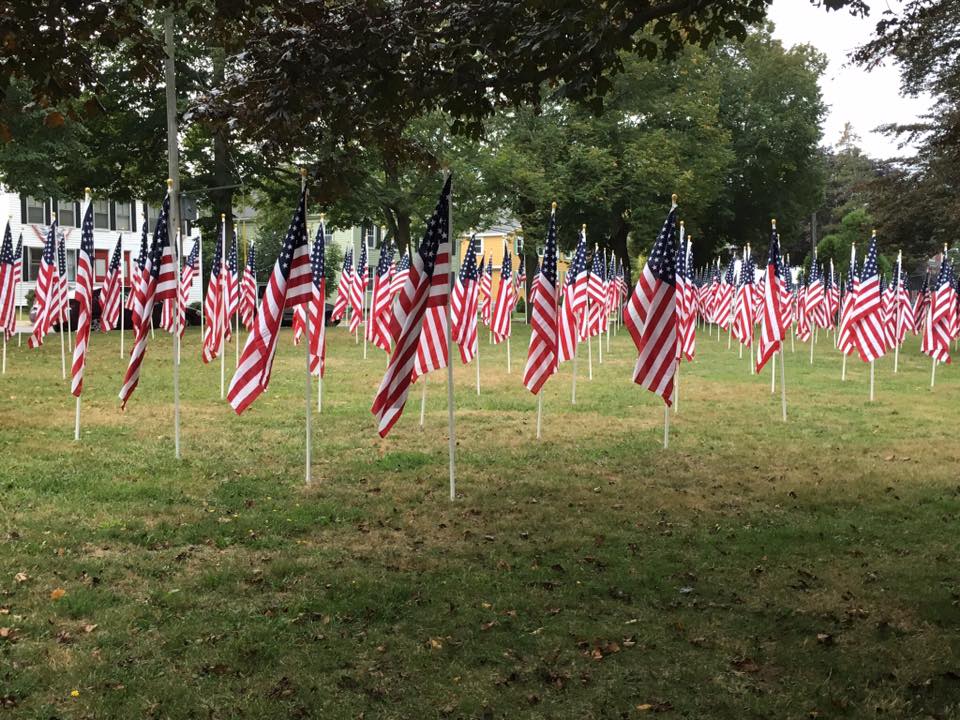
753 570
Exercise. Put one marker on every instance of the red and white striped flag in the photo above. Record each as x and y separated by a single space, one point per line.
46 294
743 320
358 291
248 290
485 294
110 300
463 304
772 326
651 314
941 315
290 285
543 353
866 318
903 308
135 295
84 298
574 301
399 276
215 304
316 308
186 282
8 283
506 300
686 307
160 276
344 287
299 324
428 284
378 325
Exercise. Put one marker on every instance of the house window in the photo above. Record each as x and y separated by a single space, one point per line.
71 265
66 213
100 265
35 211
152 214
370 237
124 215
101 214
31 264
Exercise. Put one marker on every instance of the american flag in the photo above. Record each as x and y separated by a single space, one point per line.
248 290
317 305
816 297
522 275
611 283
723 313
135 296
506 300
903 308
651 314
595 319
112 287
713 295
866 317
290 284
486 291
160 275
743 319
574 302
941 315
378 325
832 297
888 304
433 351
299 324
804 319
788 294
845 337
399 276
463 304
772 326
921 304
10 323
344 287
47 289
427 284
542 353
84 297
358 291
686 305
8 282
186 282
533 287
214 305
233 277
63 296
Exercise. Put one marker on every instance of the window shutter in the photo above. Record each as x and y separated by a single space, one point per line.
113 215
76 214
23 209
46 210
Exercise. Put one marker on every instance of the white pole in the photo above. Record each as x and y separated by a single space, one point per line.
666 426
871 380
573 387
173 228
508 354
4 354
423 400
123 272
19 320
933 372
223 298
200 274
589 358
783 386
236 333
676 387
451 427
600 348
320 394
896 357
307 390
539 412
812 340
76 423
366 317
477 358
773 374
753 369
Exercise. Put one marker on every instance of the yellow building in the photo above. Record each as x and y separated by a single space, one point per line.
492 242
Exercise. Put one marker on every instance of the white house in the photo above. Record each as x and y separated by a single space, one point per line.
111 219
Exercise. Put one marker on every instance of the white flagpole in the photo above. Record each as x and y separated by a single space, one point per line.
4 353
783 385
307 390
896 299
173 188
508 353
19 320
666 426
123 272
539 412
477 358
676 387
366 318
223 299
573 387
452 447
423 400
933 373
871 380
200 275
589 357
843 369
773 373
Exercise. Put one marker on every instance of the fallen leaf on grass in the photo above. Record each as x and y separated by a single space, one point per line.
21 577
825 638
434 644
57 593
8 634
89 628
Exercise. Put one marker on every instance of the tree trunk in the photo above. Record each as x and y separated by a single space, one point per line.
222 200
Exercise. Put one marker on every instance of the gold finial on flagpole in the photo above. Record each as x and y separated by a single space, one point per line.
773 223
553 205
673 198
223 216
169 184
873 233
87 191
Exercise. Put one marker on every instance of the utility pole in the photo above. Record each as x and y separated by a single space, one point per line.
173 229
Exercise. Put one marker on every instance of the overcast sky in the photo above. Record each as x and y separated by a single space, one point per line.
865 99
